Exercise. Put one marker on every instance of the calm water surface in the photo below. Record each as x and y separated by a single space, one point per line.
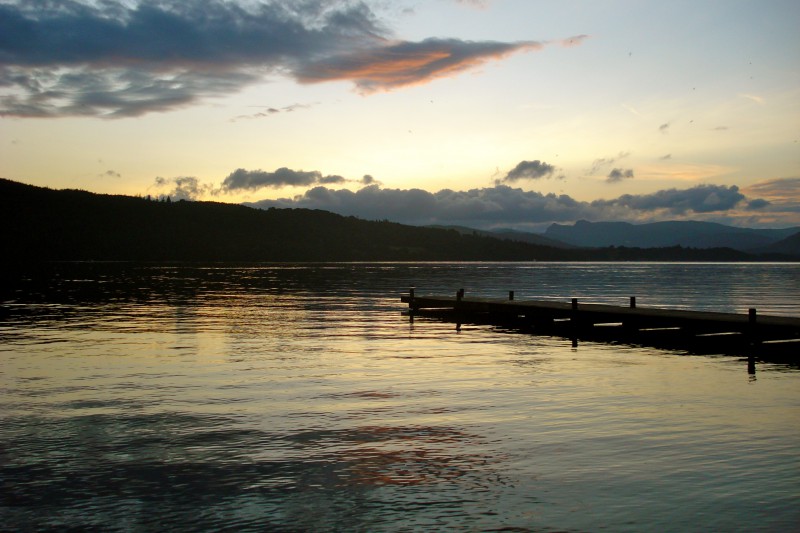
297 397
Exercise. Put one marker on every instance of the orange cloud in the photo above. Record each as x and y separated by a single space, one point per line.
576 40
780 191
406 63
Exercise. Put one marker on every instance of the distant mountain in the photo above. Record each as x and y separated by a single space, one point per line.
511 235
40 224
660 234
788 246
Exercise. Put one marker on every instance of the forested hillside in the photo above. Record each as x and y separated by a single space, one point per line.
41 223
44 224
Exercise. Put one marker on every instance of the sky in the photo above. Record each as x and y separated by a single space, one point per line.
483 113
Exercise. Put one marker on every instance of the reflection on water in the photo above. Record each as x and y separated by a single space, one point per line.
296 397
189 470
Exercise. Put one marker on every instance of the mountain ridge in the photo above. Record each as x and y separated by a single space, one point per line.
509 234
696 234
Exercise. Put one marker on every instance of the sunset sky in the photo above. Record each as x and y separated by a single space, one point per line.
486 113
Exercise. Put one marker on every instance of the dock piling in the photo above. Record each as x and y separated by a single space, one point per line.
752 327
412 305
633 302
510 295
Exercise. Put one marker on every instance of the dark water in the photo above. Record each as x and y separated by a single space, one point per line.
296 397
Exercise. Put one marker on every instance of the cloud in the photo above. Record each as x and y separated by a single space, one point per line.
757 204
598 164
504 206
112 93
575 40
664 128
754 98
183 187
112 174
529 170
498 205
617 174
666 157
699 199
781 188
632 110
782 194
478 4
241 179
331 179
122 59
251 180
399 64
270 111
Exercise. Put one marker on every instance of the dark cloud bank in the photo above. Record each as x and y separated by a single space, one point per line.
118 59
242 179
500 206
504 206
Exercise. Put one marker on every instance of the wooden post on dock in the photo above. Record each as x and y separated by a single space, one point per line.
510 295
633 302
573 323
460 295
412 306
752 334
752 327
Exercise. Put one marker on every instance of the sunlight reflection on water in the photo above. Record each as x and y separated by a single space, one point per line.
297 398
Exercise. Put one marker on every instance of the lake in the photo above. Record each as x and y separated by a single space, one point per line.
297 397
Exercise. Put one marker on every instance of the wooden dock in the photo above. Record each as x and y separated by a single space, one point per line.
774 338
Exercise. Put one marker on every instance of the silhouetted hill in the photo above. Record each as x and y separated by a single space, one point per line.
45 224
788 246
659 234
511 235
